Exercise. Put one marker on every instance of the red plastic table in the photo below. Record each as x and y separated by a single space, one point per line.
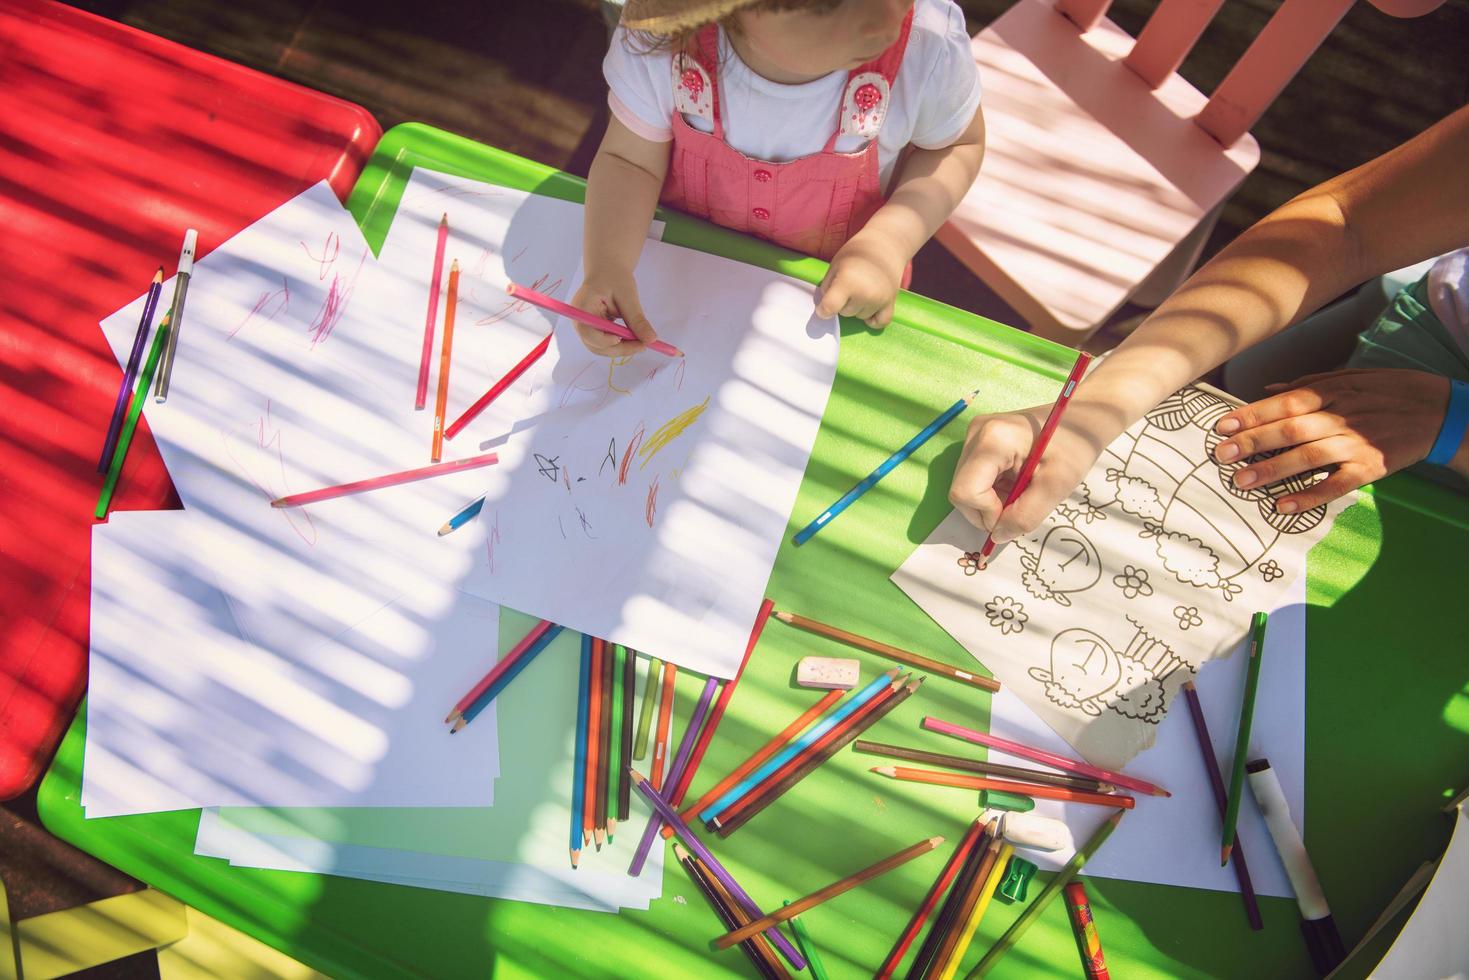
112 141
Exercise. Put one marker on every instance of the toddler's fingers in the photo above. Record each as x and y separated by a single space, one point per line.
882 317
597 341
831 297
631 312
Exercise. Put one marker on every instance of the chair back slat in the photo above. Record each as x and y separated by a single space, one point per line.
1168 36
1086 14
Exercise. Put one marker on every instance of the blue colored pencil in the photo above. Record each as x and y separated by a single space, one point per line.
464 516
887 465
509 675
579 778
856 701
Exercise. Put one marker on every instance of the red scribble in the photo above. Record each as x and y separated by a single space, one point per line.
518 255
329 251
653 373
566 478
651 507
513 306
334 307
479 267
572 386
633 442
282 299
493 540
268 437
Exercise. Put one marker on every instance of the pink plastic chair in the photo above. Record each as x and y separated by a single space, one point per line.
1105 170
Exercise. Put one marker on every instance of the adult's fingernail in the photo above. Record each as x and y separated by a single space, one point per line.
1287 506
1227 426
1226 451
1245 478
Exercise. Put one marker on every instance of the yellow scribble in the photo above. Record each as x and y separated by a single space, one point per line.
612 365
669 431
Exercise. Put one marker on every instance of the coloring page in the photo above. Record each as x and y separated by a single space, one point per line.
1154 565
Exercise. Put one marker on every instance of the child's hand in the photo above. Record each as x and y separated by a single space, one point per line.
1360 424
995 448
614 298
862 282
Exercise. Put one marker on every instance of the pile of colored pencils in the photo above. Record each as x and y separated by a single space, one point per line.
601 788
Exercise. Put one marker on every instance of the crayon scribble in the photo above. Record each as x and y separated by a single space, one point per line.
669 431
611 456
329 251
651 507
479 267
518 254
566 477
679 372
269 305
512 306
494 539
548 468
572 387
586 525
561 526
633 442
334 307
612 365
268 440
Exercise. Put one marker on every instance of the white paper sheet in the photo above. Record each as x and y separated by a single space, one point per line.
185 712
1434 943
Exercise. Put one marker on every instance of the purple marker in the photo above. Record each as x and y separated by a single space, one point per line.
685 747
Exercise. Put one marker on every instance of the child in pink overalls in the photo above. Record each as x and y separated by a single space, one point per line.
844 129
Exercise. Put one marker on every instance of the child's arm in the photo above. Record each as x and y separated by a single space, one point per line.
1400 208
622 193
927 187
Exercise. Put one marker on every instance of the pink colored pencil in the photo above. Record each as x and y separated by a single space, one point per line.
504 664
421 398
582 316
388 480
1043 757
498 388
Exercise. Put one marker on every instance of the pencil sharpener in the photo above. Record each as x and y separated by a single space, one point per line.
1017 879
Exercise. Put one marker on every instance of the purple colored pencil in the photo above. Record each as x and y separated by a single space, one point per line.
1221 798
685 748
665 810
140 341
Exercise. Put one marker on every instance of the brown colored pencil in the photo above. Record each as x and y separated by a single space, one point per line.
739 914
781 739
888 650
604 735
967 901
930 901
594 745
726 916
985 768
827 893
1026 789
629 689
744 809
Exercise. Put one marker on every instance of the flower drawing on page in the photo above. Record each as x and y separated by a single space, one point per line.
1133 582
1270 570
969 561
1089 675
1065 562
1006 615
1188 617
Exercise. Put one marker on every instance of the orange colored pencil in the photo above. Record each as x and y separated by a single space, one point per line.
961 781
594 742
441 405
665 726
765 751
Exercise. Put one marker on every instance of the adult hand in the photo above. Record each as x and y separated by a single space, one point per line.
995 448
862 282
1360 424
614 297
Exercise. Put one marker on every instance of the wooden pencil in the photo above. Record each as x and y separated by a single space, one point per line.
629 689
616 653
1017 773
958 781
808 762
385 480
930 901
826 894
441 402
968 901
781 739
594 747
420 397
987 893
579 750
650 700
1242 740
604 737
757 948
680 761
135 410
665 726
130 373
948 911
808 949
888 650
501 667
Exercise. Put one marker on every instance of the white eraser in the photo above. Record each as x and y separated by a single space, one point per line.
1036 831
828 673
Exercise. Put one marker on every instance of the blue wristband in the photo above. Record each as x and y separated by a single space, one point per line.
1455 424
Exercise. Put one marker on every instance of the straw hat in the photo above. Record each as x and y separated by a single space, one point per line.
672 16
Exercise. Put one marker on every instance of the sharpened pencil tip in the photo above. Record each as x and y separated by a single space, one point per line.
885 770
1224 856
445 529
158 276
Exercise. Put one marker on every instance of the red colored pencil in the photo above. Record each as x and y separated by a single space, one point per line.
1027 469
726 692
498 388
389 480
594 744
441 404
960 781
421 397
930 902
590 319
665 726
504 664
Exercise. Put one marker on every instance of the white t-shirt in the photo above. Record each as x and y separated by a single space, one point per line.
934 96
1448 294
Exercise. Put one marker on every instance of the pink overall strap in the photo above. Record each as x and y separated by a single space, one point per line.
706 53
885 64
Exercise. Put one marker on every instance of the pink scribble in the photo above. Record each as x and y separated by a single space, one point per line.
633 442
268 438
334 307
329 251
651 507
479 267
493 540
573 387
518 255
281 299
513 306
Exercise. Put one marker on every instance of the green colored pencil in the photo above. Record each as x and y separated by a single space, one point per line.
615 765
807 947
650 697
130 424
1062 879
1242 740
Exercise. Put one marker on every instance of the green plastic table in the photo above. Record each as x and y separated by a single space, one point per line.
1387 708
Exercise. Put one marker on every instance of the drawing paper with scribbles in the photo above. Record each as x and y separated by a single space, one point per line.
1153 565
644 499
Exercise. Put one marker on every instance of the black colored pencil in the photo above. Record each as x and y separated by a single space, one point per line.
1001 770
949 911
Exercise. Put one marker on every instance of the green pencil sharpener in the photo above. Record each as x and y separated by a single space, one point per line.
1017 879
